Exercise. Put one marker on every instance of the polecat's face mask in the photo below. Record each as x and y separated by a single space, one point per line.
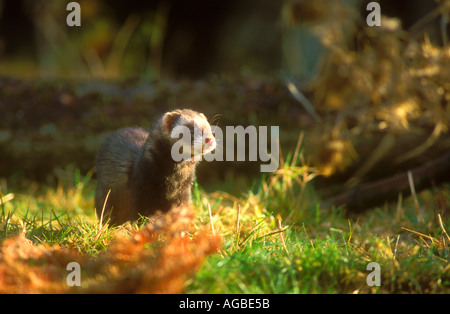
195 138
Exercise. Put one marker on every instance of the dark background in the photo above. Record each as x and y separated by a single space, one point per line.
199 37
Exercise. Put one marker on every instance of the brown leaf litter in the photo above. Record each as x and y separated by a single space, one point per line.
158 258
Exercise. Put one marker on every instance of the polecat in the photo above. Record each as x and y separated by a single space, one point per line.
138 168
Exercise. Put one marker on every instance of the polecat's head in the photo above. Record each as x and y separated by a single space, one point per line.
189 128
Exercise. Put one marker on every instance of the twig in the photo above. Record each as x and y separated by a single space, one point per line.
441 224
370 194
211 220
6 198
297 149
102 228
298 95
396 245
238 225
103 210
419 234
280 228
273 232
414 195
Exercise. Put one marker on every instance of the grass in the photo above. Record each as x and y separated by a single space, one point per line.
321 251
276 238
61 215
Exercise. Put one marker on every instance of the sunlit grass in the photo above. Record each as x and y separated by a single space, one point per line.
281 239
276 238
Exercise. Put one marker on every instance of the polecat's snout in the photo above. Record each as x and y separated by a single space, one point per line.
207 140
210 144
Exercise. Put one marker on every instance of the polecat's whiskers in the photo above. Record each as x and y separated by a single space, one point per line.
215 118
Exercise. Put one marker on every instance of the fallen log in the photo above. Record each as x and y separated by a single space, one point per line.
368 195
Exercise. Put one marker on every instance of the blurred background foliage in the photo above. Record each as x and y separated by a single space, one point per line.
176 38
139 38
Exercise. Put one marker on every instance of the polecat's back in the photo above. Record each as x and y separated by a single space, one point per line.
114 163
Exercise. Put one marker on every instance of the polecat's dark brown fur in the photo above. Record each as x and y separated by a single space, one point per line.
137 168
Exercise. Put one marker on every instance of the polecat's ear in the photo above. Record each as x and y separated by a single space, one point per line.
203 116
169 119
